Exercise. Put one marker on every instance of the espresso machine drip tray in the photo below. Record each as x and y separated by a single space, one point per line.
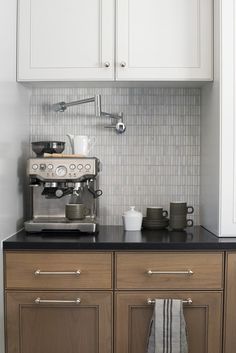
46 224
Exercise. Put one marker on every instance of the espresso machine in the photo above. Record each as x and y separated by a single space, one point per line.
56 182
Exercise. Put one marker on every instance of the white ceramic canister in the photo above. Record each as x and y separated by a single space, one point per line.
132 219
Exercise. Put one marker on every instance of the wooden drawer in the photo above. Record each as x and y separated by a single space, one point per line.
170 270
95 270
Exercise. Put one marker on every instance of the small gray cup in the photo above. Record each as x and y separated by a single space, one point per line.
76 211
156 213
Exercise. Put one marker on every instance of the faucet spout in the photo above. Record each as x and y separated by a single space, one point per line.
119 125
62 106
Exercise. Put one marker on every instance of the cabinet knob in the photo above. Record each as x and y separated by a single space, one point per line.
123 64
107 64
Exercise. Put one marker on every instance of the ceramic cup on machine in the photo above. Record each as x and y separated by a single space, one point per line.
178 215
76 211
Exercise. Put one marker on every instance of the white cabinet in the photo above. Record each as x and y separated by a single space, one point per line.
164 40
73 40
65 40
218 129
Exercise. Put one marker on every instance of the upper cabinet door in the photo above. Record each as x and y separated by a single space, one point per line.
166 40
60 40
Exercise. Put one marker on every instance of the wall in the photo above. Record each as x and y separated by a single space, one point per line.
14 135
156 161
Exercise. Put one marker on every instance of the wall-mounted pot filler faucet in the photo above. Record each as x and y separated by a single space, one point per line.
116 119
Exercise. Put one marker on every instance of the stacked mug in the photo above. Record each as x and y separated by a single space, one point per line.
178 215
156 218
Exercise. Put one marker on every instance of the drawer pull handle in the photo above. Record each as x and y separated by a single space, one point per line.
188 272
185 301
39 272
55 301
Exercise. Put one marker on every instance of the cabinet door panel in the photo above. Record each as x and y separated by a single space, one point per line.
59 327
230 313
203 319
65 39
164 39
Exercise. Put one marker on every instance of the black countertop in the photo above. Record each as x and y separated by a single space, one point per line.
115 238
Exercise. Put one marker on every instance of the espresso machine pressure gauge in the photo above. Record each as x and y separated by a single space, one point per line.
61 171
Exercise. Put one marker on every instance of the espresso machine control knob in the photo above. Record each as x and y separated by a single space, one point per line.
59 193
42 167
61 171
35 166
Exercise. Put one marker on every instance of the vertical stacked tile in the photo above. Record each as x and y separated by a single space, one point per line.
156 161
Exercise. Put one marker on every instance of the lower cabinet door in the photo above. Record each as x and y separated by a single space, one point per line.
203 320
229 310
58 322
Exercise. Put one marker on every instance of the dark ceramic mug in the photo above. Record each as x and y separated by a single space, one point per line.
180 208
180 222
156 213
76 211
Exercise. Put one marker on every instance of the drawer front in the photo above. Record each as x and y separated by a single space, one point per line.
169 270
57 270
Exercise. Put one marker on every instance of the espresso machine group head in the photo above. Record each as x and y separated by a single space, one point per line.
55 182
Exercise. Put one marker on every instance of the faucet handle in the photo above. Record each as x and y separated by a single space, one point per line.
119 126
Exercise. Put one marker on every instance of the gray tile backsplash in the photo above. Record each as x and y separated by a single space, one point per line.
156 161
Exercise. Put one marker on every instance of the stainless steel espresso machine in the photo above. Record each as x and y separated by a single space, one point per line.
56 182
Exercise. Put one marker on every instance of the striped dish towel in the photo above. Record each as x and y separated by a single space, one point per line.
167 333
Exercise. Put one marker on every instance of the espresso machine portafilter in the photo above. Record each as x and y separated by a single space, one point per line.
56 182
